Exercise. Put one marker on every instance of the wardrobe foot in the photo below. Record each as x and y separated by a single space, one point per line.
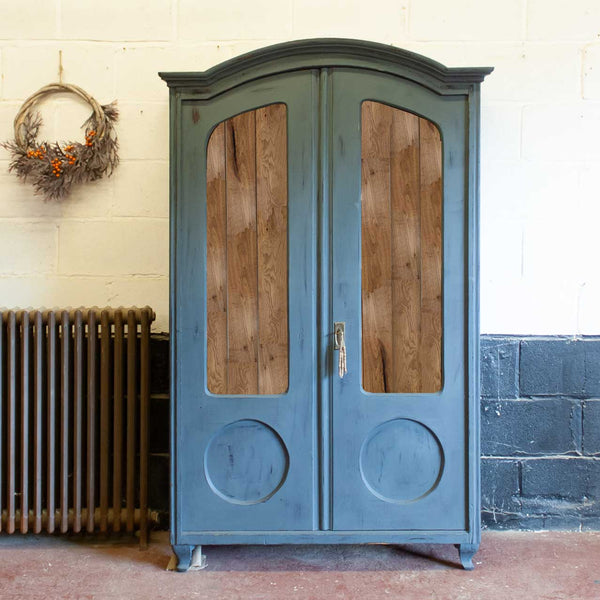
466 553
183 552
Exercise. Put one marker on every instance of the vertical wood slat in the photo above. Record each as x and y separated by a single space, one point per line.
431 256
38 399
64 419
91 420
131 402
78 367
105 334
118 421
11 383
376 247
271 216
144 401
51 425
242 293
24 377
406 251
216 262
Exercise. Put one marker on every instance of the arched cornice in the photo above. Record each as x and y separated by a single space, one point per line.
323 53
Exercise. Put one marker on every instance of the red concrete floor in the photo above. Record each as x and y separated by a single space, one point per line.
509 565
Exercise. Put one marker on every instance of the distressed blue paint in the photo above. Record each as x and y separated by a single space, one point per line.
356 413
401 461
246 462
324 423
199 414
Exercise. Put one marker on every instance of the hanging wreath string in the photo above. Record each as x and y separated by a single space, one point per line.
53 168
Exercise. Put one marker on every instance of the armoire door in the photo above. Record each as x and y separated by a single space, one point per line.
399 207
246 356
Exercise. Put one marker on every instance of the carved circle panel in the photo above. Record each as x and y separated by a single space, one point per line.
246 462
401 461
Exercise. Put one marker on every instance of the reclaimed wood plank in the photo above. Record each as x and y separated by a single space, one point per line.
431 256
376 247
271 211
242 293
216 262
406 252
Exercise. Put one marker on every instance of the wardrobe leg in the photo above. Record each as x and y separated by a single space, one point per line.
466 553
183 552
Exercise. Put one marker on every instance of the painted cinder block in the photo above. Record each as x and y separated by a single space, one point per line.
28 68
144 130
137 67
531 427
591 72
573 478
500 491
466 20
591 427
53 291
117 20
381 20
121 247
34 20
501 136
499 367
530 72
577 21
554 367
234 20
575 140
141 189
27 248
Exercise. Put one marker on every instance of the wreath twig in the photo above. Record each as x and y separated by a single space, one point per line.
53 168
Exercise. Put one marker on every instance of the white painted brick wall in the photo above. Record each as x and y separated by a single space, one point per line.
108 243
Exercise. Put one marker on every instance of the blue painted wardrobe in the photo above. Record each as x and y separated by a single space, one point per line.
324 299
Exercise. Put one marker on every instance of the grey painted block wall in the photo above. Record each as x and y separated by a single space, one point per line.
540 440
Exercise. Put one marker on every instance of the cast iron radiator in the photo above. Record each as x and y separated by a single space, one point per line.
74 396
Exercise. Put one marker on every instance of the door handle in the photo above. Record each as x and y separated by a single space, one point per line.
339 331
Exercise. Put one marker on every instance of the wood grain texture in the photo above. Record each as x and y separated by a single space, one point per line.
406 251
247 278
271 211
242 292
431 256
216 262
401 247
376 247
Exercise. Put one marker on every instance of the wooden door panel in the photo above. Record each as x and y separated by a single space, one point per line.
246 244
401 250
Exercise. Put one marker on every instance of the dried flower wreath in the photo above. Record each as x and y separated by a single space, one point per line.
53 168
